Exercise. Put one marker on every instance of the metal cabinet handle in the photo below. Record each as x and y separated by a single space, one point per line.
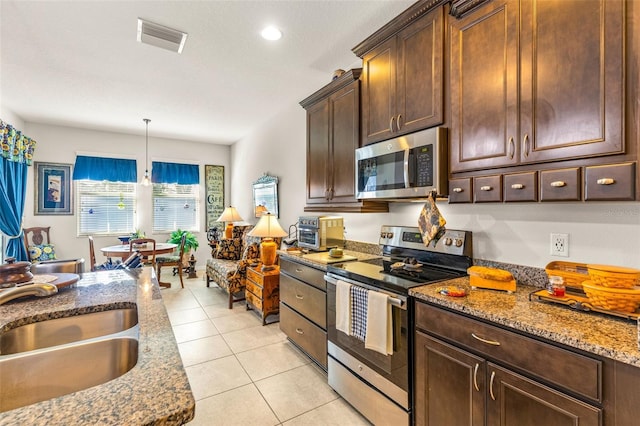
485 188
558 184
399 121
391 124
298 270
525 142
475 377
517 186
299 297
493 376
330 194
488 342
299 331
457 190
606 181
512 148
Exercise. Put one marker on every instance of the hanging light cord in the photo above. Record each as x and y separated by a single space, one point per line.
146 149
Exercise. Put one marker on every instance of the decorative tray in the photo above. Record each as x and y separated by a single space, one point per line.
577 300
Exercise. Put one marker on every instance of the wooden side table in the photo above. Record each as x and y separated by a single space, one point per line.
263 291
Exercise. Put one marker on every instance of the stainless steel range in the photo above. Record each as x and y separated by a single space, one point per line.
379 385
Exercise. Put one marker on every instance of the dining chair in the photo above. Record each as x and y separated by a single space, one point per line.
92 254
149 254
38 244
174 260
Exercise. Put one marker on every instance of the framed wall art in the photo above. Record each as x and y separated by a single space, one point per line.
214 188
53 192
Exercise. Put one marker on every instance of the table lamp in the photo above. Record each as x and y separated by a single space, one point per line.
229 215
268 228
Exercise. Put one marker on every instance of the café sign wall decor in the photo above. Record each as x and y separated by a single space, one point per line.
214 189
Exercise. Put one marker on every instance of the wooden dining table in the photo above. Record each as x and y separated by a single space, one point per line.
122 250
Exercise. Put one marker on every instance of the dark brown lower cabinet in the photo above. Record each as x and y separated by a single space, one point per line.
456 387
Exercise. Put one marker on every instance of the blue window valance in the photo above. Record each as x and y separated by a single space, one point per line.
182 174
102 168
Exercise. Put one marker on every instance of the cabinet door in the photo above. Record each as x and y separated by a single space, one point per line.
484 87
345 139
449 384
571 79
419 88
379 92
318 152
517 401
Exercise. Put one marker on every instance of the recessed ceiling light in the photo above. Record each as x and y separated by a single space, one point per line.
271 33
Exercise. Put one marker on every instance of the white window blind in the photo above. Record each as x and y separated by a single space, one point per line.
175 207
105 208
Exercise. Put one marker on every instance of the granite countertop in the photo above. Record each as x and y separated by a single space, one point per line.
599 334
155 391
297 256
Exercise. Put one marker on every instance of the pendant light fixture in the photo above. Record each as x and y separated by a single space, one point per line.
146 181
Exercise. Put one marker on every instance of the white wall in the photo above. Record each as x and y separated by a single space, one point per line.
58 144
511 233
10 117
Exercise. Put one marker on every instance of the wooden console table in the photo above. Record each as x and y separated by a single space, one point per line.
263 291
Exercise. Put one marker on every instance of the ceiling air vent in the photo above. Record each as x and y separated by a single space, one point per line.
161 36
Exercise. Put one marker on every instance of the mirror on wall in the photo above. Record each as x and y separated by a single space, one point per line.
265 195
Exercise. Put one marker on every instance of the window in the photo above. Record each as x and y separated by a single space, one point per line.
106 208
175 206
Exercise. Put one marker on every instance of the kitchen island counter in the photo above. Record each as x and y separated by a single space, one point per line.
591 332
155 391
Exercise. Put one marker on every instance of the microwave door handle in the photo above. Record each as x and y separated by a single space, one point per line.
407 182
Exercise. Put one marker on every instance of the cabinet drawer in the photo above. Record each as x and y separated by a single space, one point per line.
521 187
310 275
308 336
308 300
254 300
560 185
612 182
254 276
460 191
571 371
487 189
254 288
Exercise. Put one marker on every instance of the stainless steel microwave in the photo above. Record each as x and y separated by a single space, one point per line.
409 166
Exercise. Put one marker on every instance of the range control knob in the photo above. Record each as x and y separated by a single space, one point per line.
448 241
458 242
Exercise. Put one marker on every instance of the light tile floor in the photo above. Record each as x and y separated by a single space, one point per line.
243 373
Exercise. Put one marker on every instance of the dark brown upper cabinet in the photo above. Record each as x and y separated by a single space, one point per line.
536 81
402 78
333 135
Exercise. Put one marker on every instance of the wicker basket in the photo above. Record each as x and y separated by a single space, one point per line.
572 273
613 299
614 276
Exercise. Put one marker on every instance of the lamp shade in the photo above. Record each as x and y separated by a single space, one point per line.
230 214
269 227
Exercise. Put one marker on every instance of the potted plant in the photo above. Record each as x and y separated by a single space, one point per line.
190 243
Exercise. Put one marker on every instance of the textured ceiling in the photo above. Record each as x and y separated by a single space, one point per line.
77 63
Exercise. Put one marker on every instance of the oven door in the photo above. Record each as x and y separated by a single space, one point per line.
389 374
309 238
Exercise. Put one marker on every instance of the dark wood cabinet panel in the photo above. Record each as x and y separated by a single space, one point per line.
460 190
333 135
450 384
560 185
521 187
610 182
305 334
515 400
402 81
487 189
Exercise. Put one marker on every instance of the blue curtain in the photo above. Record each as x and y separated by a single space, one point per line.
17 155
101 168
183 174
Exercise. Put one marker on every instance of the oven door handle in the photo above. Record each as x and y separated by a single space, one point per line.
394 301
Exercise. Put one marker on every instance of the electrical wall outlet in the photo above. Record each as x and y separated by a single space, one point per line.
560 245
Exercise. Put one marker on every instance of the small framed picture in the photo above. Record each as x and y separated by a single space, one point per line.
53 192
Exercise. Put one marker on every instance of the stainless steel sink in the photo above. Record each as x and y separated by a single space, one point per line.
31 377
60 331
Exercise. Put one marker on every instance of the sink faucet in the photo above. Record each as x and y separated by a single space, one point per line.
39 289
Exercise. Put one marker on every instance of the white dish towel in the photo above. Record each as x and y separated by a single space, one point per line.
343 307
379 335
